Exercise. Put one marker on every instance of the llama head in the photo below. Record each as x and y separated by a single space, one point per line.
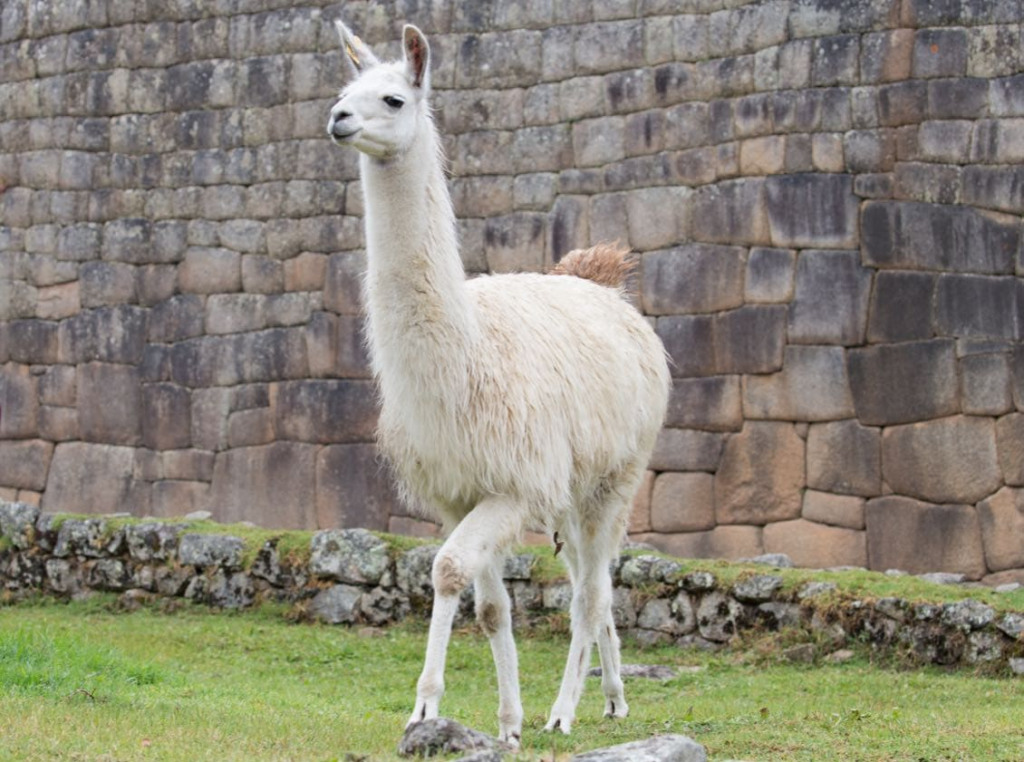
379 111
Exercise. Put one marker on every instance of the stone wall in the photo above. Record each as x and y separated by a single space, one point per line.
352 577
827 198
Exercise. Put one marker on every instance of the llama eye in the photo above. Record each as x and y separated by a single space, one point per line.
393 101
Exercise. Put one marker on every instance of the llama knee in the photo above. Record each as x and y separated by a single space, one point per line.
493 617
449 574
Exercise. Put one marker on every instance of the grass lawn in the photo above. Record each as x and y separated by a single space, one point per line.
79 682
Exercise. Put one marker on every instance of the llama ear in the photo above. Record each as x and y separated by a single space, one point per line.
357 54
417 56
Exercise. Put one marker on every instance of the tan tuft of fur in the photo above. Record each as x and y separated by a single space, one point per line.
608 264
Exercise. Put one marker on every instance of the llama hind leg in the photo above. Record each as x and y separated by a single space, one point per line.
494 613
474 545
611 679
591 597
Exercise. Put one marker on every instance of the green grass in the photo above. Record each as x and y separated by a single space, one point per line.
78 682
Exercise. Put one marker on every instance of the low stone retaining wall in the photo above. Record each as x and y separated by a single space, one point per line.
352 576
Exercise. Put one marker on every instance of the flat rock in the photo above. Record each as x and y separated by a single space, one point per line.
210 550
648 671
17 523
444 736
667 748
356 556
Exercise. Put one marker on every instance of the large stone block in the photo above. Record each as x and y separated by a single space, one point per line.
336 347
19 402
1002 529
770 275
750 339
343 290
994 187
901 383
812 386
683 502
92 478
729 542
176 319
110 403
272 485
844 457
834 510
901 309
326 411
920 538
731 212
210 271
831 302
25 463
1010 445
985 384
952 460
816 546
761 476
812 211
166 417
708 404
919 236
689 341
355 488
107 334
271 355
686 450
979 306
693 278
33 342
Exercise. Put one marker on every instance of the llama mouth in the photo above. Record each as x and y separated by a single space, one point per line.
340 136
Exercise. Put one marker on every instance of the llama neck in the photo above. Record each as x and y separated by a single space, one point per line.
421 324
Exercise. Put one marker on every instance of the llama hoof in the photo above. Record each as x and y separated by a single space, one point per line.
512 737
424 710
616 708
557 722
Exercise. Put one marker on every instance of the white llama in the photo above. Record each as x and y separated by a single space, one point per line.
508 402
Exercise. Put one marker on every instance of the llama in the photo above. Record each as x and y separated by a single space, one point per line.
507 402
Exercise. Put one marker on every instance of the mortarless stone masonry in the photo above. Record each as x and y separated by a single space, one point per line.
826 198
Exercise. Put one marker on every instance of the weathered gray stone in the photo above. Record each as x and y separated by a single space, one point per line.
899 234
683 502
718 617
907 534
812 211
106 574
691 279
91 477
812 386
952 460
769 277
82 537
354 487
271 485
761 475
756 589
816 545
985 384
844 457
106 334
152 541
686 450
901 309
444 736
17 523
413 572
165 417
110 404
831 302
967 614
303 407
710 404
1002 523
834 510
353 556
25 463
923 371
210 550
978 306
732 212
338 604
666 748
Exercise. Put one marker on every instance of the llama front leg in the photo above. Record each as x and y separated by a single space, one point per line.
474 545
494 613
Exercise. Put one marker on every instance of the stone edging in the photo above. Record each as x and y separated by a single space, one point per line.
352 576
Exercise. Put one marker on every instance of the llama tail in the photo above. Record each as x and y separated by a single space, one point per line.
608 264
